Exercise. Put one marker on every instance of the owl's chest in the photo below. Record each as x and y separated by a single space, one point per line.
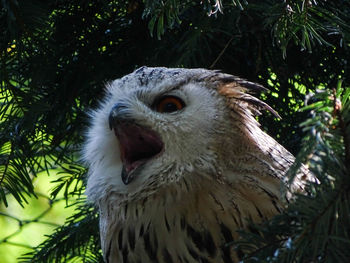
199 228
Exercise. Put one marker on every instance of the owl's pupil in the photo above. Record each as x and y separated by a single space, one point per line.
170 107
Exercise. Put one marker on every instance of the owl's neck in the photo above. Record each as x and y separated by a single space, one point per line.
185 223
259 160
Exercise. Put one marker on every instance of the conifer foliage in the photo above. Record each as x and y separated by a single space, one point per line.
56 56
314 228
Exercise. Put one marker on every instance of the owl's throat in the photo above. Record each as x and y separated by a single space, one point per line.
137 146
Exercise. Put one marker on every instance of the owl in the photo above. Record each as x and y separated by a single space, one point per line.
178 163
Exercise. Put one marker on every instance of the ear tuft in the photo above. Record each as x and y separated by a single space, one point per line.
239 90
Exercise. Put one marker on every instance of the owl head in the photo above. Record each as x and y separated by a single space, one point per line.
159 127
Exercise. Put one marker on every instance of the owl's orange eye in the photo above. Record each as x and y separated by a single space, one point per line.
169 104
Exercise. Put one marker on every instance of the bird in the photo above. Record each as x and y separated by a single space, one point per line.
178 163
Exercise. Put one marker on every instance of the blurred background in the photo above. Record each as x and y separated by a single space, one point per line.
23 228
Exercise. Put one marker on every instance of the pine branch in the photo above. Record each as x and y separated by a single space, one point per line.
221 53
342 126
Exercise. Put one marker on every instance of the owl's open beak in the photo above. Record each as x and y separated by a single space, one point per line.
137 146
